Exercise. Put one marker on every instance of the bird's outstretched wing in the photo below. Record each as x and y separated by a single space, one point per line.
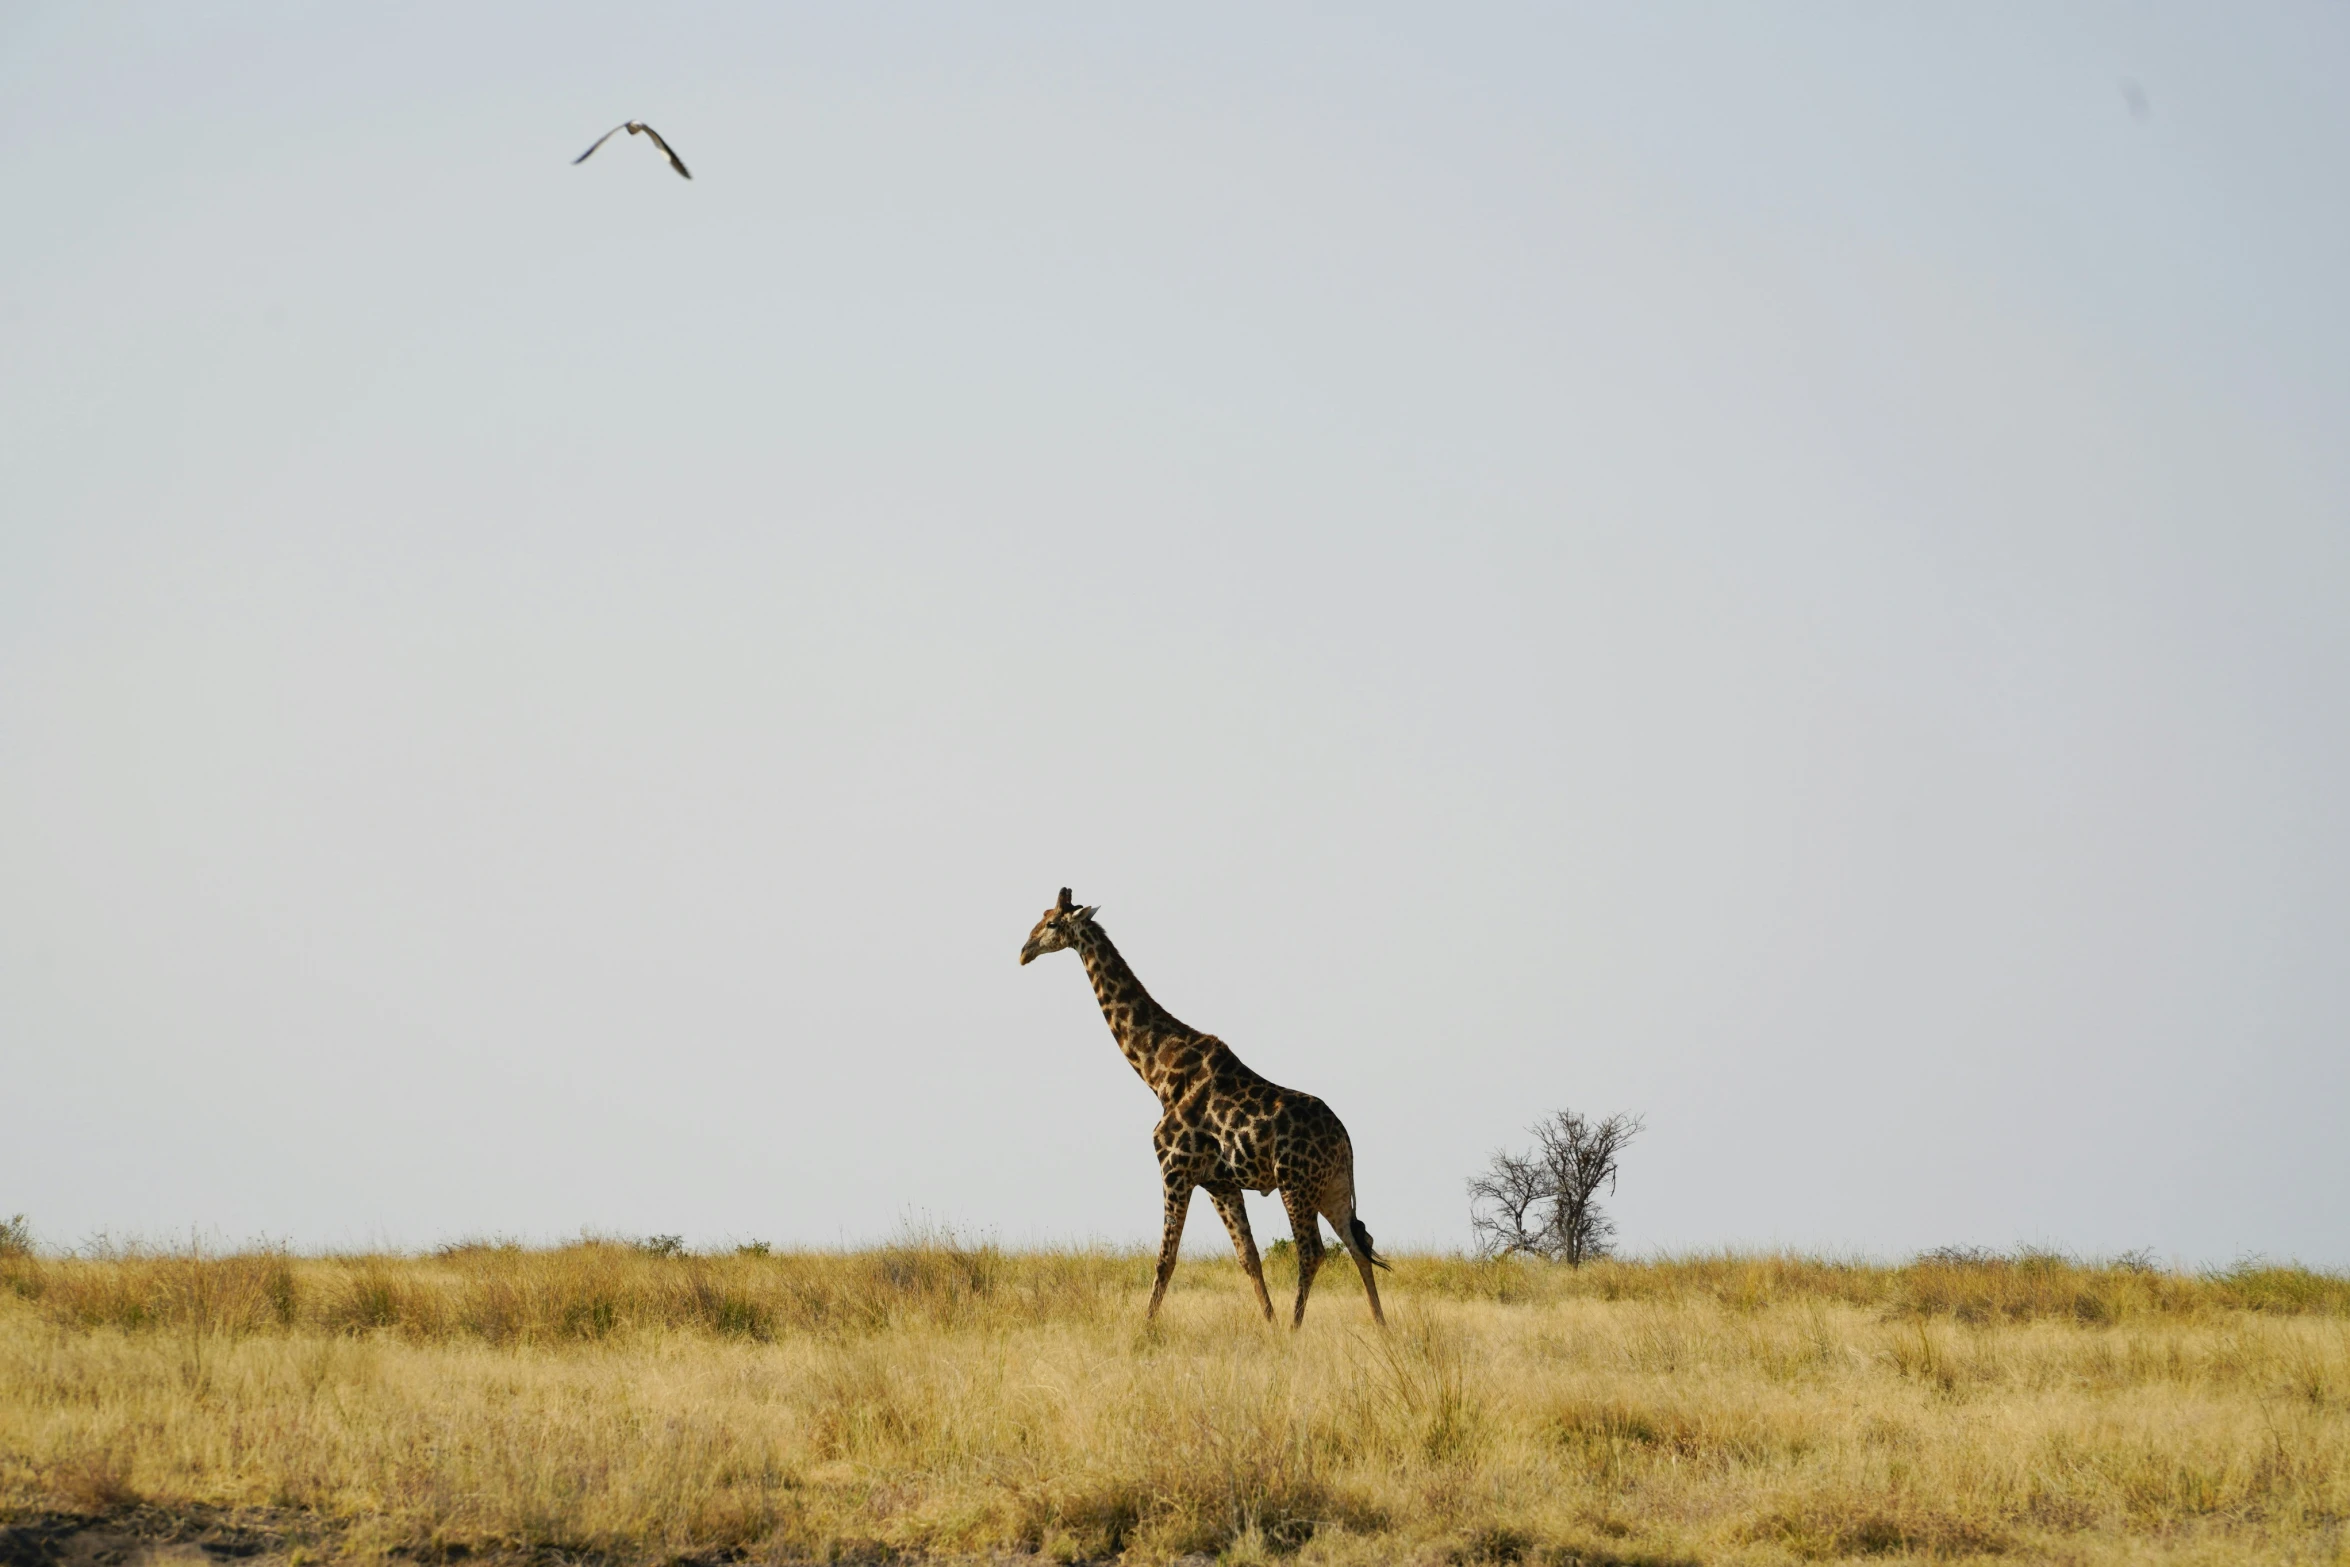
675 161
599 141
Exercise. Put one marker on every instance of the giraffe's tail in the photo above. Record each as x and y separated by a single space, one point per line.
1360 1234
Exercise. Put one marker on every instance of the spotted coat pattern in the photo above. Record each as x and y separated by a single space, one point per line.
1222 1127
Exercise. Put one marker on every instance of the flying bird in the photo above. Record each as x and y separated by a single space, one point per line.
640 128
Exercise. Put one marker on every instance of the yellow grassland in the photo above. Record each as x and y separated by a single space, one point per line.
935 1398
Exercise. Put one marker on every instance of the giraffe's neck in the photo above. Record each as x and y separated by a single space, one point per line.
1141 1026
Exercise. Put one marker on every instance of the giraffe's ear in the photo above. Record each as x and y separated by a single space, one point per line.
1086 913
1067 903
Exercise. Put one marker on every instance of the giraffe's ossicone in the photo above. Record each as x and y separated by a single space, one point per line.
1223 1128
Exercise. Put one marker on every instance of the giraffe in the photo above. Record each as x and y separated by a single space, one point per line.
1224 1127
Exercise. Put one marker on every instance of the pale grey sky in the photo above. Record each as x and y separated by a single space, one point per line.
1783 568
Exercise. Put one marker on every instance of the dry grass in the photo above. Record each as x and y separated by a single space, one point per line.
947 1399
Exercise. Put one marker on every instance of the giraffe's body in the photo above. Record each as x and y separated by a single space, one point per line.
1222 1127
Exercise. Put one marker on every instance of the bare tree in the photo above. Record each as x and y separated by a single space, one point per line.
1504 1207
1581 1157
1547 1204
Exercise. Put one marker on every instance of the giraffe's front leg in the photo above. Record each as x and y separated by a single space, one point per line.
1170 1236
1235 1212
1305 1225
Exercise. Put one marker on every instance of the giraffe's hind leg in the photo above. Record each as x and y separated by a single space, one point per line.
1170 1239
1306 1229
1235 1212
1357 1241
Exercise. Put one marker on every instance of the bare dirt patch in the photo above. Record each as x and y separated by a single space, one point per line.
152 1537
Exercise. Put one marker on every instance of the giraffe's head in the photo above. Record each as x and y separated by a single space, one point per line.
1057 929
